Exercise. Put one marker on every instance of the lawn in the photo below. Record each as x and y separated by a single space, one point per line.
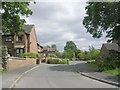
113 72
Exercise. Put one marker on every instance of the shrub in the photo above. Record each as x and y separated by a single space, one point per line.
52 55
57 61
30 55
52 61
109 63
90 61
63 61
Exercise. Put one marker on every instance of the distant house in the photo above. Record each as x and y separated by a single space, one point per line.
45 51
48 50
23 42
40 48
109 49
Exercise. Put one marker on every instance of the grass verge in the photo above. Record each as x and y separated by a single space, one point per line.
113 72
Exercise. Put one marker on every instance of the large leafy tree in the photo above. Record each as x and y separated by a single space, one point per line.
103 17
11 11
70 45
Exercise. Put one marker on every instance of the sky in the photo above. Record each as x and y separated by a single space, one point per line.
59 21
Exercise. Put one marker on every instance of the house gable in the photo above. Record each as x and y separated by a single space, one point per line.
108 49
33 41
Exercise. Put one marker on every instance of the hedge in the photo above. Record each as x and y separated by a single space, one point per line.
57 61
29 55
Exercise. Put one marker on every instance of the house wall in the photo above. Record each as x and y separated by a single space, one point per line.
29 42
116 41
9 44
104 52
33 41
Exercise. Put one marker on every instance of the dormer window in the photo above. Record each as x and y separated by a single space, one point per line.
19 37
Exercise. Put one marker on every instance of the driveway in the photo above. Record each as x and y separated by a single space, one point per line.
58 76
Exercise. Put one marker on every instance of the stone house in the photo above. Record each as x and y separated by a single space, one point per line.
23 42
109 49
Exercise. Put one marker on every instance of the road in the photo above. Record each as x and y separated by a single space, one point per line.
58 76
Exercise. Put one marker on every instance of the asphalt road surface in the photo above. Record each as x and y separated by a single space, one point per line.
58 76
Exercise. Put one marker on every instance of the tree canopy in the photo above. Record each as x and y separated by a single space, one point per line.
70 45
11 11
103 17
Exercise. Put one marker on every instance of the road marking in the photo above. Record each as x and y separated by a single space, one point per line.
17 80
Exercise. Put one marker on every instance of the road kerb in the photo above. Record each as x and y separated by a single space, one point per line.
20 76
102 80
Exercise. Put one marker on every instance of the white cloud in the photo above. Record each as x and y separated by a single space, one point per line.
57 22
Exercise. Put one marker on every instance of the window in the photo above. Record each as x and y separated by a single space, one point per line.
19 37
19 50
9 38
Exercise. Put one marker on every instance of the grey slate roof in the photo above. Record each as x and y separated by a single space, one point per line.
48 49
28 28
112 46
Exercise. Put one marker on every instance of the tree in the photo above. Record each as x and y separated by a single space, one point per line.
103 17
68 54
11 11
54 46
77 52
93 53
70 45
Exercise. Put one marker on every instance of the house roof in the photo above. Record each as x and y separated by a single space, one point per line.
112 46
49 49
39 45
28 28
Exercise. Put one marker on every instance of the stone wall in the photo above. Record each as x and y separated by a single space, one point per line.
15 63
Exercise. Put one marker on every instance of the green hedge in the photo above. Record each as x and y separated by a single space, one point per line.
29 55
109 63
90 61
57 61
52 55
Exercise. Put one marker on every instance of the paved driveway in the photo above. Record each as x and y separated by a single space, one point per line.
58 76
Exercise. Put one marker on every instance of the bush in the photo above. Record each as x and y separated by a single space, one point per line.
90 61
52 55
52 61
63 62
57 61
30 55
109 63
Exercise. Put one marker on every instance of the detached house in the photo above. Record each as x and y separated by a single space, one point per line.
23 42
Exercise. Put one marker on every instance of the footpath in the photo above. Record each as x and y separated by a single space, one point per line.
84 69
10 76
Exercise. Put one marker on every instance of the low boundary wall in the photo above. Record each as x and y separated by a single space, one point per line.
15 63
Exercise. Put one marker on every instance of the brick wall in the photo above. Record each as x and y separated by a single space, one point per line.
16 63
33 41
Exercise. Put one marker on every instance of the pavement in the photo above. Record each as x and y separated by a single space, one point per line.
83 68
10 76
